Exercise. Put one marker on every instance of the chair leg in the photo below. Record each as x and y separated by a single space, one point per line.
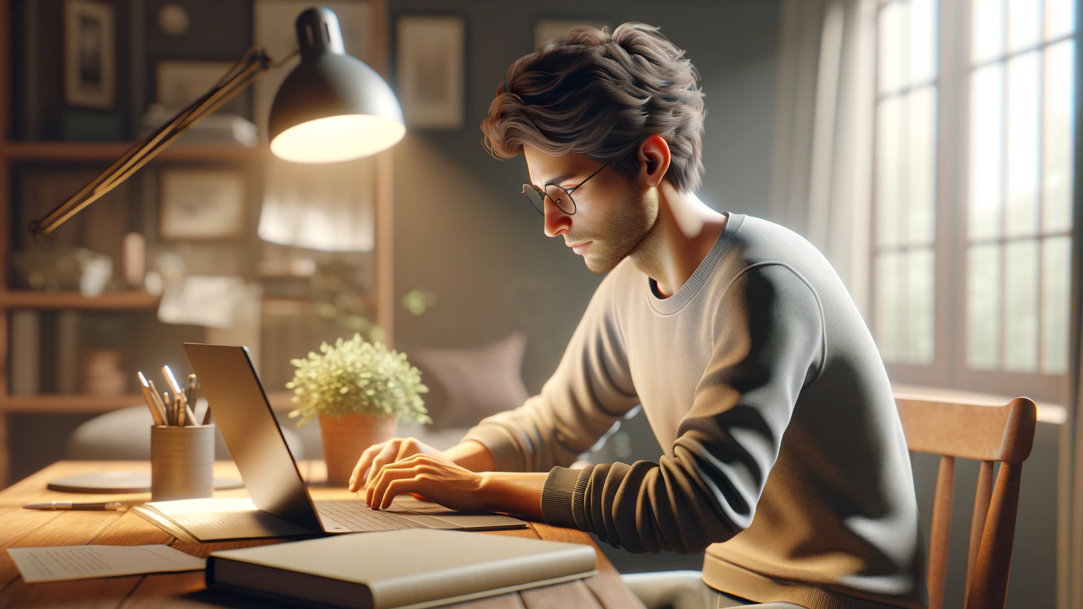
941 532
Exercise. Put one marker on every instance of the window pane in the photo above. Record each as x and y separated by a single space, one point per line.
987 31
921 170
1022 144
888 297
920 309
923 31
891 24
1058 128
1021 306
983 307
1056 269
888 133
1060 17
986 146
1024 23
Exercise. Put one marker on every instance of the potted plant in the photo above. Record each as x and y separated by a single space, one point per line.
358 390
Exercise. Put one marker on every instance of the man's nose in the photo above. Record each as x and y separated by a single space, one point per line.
556 221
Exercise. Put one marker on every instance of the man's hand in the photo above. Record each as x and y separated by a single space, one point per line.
377 456
432 477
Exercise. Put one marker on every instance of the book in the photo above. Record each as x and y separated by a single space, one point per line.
407 568
25 352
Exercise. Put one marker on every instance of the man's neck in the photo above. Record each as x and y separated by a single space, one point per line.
684 233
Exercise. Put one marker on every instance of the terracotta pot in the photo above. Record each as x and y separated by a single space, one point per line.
347 436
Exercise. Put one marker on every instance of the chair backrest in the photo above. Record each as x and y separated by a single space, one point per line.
987 434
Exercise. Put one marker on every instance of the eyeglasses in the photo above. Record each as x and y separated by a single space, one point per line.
560 196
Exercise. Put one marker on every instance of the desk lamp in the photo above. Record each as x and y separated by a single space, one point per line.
332 107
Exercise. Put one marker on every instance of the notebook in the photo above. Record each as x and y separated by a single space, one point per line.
280 502
397 569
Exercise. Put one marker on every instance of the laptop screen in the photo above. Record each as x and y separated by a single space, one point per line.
243 414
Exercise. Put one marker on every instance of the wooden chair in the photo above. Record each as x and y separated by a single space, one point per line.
988 434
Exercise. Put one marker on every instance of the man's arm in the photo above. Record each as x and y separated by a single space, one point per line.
438 479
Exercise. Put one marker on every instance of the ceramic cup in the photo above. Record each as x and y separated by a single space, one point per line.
181 462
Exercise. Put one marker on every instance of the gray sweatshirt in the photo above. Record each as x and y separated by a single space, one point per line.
784 459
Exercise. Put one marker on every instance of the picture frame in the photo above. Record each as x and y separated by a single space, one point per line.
180 82
198 204
430 70
89 54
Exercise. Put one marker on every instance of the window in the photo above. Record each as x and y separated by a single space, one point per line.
972 192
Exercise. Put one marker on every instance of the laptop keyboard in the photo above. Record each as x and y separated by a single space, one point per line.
356 516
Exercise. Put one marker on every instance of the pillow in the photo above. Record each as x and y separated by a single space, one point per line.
467 384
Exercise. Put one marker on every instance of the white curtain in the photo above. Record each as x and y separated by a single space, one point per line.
822 150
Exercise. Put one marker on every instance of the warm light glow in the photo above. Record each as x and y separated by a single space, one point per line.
337 138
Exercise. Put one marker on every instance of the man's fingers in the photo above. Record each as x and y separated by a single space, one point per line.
360 471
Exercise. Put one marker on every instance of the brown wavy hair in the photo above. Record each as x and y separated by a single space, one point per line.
600 95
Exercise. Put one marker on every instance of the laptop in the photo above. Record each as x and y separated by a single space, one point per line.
243 414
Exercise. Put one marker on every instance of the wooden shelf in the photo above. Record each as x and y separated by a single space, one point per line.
119 301
69 403
109 151
90 404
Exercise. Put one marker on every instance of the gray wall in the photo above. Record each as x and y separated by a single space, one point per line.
463 232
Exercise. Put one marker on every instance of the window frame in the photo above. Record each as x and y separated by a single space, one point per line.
949 368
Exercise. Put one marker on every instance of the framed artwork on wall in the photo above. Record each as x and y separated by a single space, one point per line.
429 71
89 54
179 83
201 204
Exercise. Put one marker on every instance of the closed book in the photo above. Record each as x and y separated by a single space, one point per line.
409 568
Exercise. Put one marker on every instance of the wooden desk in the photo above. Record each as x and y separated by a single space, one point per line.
25 528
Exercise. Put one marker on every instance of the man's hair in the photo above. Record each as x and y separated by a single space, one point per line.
600 95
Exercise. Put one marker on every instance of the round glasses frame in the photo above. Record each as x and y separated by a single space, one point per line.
556 193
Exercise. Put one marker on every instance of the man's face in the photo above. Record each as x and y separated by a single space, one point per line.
612 216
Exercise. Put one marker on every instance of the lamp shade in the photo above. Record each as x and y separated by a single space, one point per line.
332 107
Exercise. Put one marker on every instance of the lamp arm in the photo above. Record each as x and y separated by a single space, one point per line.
254 63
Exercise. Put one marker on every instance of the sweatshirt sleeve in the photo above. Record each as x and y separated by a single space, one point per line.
769 344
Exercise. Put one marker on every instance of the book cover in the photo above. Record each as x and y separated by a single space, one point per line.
409 568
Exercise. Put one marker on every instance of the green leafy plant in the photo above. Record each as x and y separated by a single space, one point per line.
356 376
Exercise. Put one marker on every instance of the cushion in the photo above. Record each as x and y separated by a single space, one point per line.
467 384
124 435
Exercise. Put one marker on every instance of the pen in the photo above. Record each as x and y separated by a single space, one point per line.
178 405
170 408
71 505
191 393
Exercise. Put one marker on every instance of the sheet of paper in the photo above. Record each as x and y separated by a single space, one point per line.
47 564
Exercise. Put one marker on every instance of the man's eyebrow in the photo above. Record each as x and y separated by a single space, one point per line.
558 179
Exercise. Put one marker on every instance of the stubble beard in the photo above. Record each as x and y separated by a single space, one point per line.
625 234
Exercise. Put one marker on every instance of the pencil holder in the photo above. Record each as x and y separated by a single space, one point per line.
181 462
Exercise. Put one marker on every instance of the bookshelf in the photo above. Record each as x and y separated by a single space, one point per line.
46 324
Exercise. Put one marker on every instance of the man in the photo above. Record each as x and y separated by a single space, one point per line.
784 460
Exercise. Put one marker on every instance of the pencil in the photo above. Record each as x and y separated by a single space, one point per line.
157 415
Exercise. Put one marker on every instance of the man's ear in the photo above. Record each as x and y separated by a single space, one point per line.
653 159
